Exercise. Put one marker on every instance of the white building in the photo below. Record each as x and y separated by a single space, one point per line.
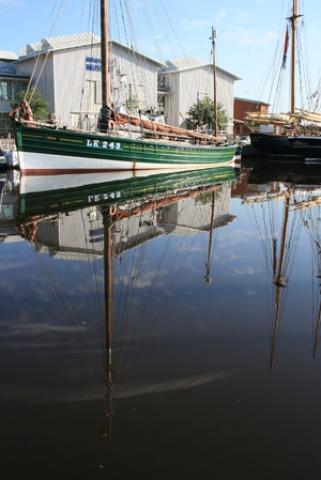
66 70
182 83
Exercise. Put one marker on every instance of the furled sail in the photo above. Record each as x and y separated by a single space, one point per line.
312 117
268 118
283 118
163 129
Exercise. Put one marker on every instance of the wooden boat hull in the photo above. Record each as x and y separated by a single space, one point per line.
46 150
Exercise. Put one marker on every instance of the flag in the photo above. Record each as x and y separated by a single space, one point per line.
286 47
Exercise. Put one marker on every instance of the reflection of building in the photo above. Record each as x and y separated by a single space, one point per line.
69 68
243 106
192 215
183 83
80 234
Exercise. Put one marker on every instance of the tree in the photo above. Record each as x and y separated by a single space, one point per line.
202 114
38 105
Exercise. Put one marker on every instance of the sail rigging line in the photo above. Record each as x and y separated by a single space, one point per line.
141 61
124 323
59 12
62 302
163 13
274 66
84 73
60 297
305 50
137 263
91 257
152 31
304 86
278 89
277 263
122 10
311 221
131 277
53 16
123 96
85 105
148 300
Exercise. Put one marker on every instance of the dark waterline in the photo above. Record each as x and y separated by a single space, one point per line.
208 380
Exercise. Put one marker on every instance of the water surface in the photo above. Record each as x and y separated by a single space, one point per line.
208 299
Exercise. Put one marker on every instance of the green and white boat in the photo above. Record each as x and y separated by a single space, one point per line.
147 146
43 150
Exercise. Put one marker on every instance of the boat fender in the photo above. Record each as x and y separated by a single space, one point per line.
111 125
112 210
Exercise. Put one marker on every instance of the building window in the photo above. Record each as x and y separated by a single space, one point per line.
9 89
4 91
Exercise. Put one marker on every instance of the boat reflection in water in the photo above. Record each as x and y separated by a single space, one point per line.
298 189
88 217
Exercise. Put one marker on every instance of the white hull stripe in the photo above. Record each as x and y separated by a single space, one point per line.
30 161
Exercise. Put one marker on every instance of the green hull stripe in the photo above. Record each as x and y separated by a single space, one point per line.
64 142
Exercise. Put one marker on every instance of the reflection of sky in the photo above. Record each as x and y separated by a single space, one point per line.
190 362
158 287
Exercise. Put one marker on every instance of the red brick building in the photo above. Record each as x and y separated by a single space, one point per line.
241 107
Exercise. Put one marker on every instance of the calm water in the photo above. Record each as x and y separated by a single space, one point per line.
215 367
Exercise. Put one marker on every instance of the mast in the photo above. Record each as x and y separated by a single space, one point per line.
214 83
104 51
294 21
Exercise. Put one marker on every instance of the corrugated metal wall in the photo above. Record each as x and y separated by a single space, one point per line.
76 88
73 92
133 74
187 86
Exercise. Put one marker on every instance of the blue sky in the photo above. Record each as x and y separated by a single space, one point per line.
247 30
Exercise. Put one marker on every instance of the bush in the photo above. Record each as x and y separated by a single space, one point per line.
38 105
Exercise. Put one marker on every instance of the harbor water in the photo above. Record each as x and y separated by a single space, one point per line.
164 328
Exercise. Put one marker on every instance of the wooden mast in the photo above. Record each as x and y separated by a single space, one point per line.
294 21
214 83
104 51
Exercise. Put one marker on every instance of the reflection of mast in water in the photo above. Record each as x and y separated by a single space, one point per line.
311 221
317 332
208 279
277 259
279 280
108 320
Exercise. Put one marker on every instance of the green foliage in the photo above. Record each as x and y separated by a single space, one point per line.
132 104
202 114
38 105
